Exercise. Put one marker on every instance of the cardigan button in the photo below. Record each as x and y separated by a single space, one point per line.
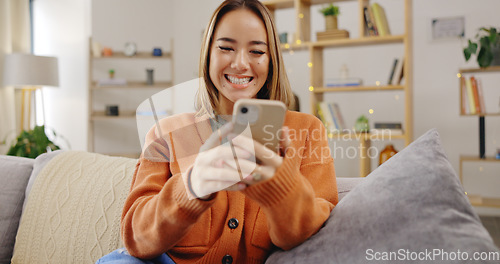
227 259
233 223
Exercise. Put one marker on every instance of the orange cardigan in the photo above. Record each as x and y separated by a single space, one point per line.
282 212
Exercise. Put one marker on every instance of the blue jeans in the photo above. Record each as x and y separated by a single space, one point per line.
121 256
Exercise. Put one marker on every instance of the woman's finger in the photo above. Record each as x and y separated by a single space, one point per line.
262 153
259 174
216 137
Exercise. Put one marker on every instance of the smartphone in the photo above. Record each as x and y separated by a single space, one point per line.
262 118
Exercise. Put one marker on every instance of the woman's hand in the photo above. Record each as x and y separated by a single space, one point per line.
214 168
268 160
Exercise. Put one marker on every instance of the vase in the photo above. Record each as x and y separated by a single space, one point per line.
387 153
331 22
150 76
496 55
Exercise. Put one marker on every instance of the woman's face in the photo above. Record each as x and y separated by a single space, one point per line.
239 57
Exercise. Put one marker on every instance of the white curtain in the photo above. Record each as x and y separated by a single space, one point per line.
14 37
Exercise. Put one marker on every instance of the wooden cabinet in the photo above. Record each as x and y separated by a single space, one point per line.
478 199
317 88
131 95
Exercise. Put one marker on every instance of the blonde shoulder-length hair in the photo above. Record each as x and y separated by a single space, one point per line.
277 86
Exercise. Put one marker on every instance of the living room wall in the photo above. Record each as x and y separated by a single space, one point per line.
435 87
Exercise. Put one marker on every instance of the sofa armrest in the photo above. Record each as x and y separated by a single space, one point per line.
14 175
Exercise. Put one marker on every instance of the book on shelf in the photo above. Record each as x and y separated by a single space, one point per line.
330 115
477 98
325 117
388 125
336 82
339 116
332 34
463 89
398 72
380 20
390 128
372 18
393 69
472 96
481 96
369 23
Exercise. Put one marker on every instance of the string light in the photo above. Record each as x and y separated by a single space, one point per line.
370 111
301 15
287 46
459 75
377 83
298 41
309 64
311 88
396 97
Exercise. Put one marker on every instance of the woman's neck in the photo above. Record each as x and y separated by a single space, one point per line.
225 107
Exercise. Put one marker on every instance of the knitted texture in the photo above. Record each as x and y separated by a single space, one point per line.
74 209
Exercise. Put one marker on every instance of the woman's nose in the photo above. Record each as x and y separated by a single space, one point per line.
241 62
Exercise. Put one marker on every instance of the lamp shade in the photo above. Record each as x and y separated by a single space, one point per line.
22 69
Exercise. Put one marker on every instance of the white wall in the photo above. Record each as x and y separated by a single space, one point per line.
61 29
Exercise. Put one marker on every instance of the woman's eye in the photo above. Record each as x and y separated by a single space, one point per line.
258 52
225 48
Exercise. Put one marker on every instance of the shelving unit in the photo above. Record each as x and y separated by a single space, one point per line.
478 200
316 52
98 115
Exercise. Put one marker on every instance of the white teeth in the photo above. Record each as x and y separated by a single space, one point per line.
237 80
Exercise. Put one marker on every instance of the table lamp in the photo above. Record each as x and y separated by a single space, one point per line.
30 73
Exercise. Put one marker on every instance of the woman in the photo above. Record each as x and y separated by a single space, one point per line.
181 208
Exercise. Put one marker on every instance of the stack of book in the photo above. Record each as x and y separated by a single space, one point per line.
376 20
330 115
388 128
337 82
332 34
472 96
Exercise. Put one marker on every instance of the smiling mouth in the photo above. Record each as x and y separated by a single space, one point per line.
236 80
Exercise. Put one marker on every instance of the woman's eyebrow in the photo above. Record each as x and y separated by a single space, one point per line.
253 42
258 42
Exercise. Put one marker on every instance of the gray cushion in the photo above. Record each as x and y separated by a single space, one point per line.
413 202
345 185
14 175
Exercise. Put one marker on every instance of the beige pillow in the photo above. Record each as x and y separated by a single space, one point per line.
74 208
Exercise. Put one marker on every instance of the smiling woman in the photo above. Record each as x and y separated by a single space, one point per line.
193 198
239 59
252 40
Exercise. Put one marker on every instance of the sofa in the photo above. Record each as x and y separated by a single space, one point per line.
65 207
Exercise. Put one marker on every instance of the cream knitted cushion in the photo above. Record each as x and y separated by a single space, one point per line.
74 208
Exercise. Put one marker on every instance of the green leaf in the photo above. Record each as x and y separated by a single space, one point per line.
469 50
32 143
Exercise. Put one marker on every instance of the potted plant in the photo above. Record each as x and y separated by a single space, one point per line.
32 143
330 12
487 46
